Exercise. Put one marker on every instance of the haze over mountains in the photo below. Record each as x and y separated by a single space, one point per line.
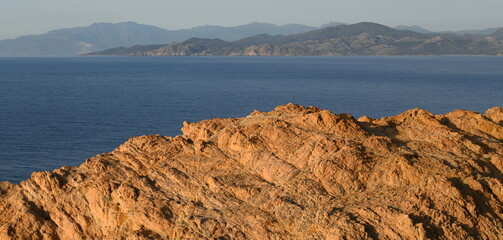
102 36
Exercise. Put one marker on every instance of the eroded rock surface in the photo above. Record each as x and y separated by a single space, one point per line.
292 173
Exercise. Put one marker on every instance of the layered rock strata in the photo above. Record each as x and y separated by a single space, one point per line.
292 173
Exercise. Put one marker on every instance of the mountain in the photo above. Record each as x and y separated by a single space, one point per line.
238 32
101 36
355 39
121 36
352 30
413 28
292 173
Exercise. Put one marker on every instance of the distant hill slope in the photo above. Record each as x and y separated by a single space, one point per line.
95 37
100 36
242 31
355 39
413 28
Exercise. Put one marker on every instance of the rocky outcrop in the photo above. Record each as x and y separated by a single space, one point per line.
292 173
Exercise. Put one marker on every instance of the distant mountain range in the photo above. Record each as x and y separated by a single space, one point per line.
100 36
355 39
140 38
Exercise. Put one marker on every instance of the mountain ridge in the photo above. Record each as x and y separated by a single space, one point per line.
104 36
364 38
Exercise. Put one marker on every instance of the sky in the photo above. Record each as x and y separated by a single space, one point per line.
24 17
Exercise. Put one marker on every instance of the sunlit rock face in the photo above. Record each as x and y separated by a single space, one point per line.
293 173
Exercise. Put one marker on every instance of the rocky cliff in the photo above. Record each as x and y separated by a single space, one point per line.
292 173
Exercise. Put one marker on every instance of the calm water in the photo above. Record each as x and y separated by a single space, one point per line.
60 111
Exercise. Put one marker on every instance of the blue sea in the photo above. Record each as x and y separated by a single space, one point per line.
61 111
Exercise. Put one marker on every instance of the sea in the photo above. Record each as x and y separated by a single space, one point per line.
61 111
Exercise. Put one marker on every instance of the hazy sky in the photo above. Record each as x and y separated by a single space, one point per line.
21 17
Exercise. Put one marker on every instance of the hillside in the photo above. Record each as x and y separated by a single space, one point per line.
341 40
102 36
67 42
291 173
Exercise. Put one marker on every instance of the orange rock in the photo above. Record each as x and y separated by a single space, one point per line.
293 173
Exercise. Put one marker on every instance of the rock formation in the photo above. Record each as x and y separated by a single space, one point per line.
292 173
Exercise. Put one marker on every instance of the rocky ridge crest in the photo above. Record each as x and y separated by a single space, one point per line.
293 173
